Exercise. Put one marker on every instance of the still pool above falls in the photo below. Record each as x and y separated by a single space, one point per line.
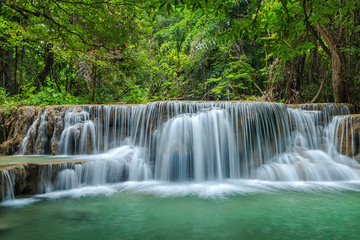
190 142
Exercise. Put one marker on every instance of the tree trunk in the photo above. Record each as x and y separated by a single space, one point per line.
21 73
334 42
204 79
337 61
49 61
5 69
93 83
2 68
338 76
54 76
15 84
313 64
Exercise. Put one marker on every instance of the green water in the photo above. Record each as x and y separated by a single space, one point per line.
30 159
167 214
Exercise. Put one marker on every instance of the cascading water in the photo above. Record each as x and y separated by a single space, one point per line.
343 134
7 182
328 110
187 141
30 137
197 146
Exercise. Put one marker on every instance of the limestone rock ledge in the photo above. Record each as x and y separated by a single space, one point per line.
45 138
345 135
14 126
31 178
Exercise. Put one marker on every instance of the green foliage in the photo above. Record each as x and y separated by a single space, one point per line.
68 52
6 103
138 95
47 96
236 76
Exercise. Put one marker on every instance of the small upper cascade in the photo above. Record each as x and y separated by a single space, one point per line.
42 135
29 140
343 134
7 185
74 122
327 110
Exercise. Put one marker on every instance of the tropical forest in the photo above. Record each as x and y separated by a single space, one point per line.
67 52
179 119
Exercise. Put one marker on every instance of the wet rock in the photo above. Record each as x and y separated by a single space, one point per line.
42 133
14 127
45 136
332 107
32 178
347 135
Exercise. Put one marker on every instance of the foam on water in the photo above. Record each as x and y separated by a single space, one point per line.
211 190
204 190
79 192
233 187
19 202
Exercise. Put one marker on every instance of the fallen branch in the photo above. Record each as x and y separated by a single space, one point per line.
181 98
319 91
262 93
233 89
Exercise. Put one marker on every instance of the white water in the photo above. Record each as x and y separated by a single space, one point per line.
7 180
349 141
197 146
207 190
197 142
30 136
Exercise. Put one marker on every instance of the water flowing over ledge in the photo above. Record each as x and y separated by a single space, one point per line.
188 141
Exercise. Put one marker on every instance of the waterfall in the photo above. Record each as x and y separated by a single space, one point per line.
198 146
343 134
70 137
328 111
7 183
30 137
207 141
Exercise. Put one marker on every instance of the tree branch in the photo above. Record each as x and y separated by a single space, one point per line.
24 11
257 12
314 32
286 10
93 4
319 91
